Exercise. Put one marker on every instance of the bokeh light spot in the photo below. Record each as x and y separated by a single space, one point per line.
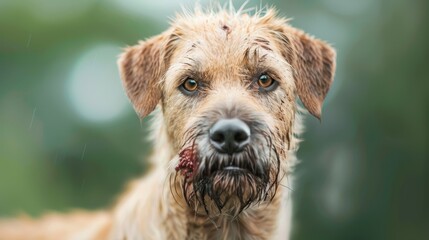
95 88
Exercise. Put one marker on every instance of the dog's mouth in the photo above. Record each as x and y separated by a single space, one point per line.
195 167
234 169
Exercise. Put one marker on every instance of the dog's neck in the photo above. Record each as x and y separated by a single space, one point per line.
256 222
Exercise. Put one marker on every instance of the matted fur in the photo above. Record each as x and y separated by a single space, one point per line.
225 50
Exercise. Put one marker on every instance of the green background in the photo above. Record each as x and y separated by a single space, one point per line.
69 138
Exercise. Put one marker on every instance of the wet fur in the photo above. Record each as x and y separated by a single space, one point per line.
226 50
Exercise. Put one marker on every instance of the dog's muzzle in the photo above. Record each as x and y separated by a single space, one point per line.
228 161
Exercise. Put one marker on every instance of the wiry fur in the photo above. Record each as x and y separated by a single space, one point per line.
225 51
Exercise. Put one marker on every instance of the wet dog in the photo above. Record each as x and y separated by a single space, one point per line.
223 87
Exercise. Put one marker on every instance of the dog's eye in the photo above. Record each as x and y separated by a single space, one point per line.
189 86
266 82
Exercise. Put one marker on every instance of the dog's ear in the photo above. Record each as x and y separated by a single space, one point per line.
313 66
141 68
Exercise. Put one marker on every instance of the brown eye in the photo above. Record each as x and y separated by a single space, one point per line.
265 81
189 86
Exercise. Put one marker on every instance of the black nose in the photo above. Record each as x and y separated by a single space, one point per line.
229 135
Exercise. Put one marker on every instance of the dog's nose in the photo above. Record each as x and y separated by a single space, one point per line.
229 135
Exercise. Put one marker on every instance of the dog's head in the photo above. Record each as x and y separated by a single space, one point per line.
227 84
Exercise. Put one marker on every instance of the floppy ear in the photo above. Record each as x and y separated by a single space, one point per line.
313 63
141 68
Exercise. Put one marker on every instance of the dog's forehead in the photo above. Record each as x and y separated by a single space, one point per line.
225 47
224 38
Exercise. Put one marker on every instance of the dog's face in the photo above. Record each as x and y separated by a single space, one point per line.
227 85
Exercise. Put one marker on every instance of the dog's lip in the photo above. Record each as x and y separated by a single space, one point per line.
233 168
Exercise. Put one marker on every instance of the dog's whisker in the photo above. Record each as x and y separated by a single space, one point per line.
287 187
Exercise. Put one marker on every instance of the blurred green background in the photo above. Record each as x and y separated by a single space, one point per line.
70 139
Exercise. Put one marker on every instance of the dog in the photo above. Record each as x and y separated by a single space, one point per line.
223 88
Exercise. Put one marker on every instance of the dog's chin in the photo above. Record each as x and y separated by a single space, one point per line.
237 184
232 181
230 190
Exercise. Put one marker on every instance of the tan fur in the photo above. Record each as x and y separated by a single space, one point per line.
221 49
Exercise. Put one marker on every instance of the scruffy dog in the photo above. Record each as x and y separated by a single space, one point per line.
224 132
